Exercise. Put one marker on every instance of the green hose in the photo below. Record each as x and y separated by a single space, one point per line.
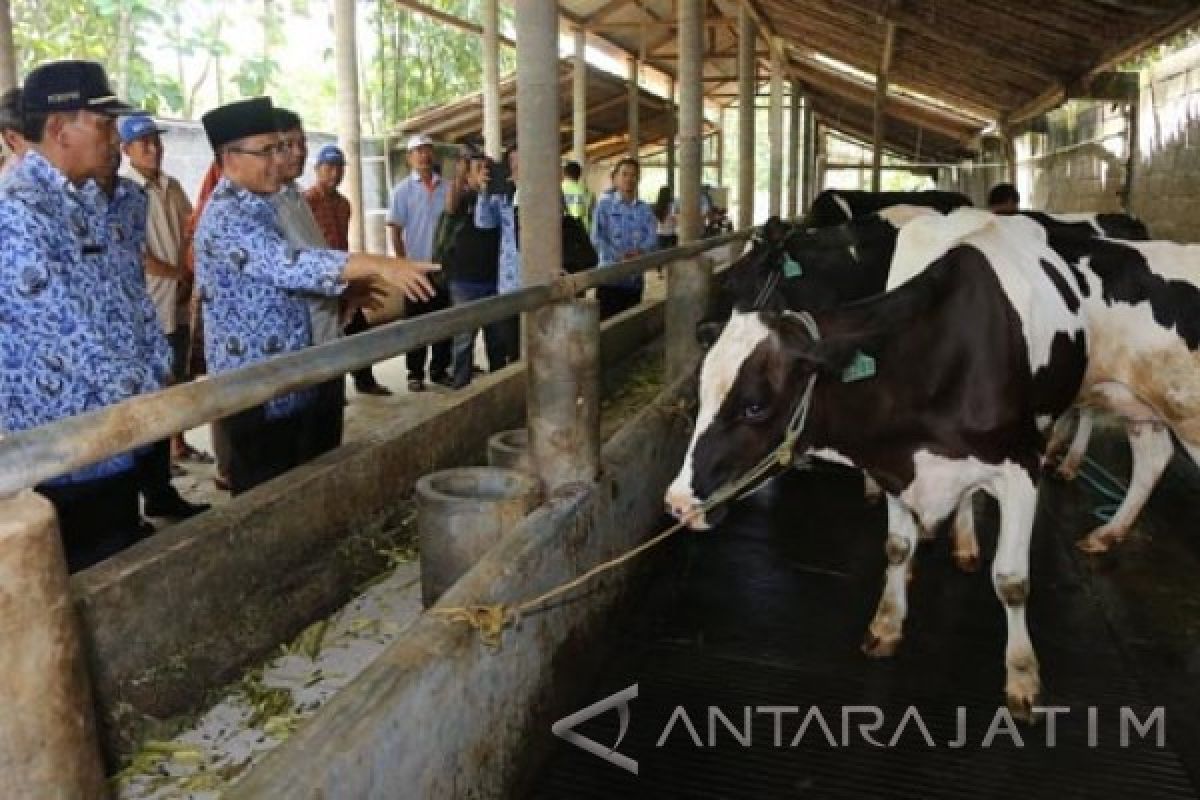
1106 485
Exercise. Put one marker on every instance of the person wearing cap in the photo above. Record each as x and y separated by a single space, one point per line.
10 129
253 283
332 212
75 338
167 281
417 202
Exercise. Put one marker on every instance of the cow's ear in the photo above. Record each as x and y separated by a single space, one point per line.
827 356
708 332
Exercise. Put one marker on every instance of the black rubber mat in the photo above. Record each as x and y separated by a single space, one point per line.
770 609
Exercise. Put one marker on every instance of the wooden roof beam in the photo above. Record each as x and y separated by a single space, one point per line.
449 19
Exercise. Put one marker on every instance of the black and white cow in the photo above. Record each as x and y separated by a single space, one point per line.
974 358
1092 225
838 206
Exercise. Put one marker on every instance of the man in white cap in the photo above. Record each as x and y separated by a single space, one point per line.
417 202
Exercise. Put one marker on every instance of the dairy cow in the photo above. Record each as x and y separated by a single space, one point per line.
970 362
838 206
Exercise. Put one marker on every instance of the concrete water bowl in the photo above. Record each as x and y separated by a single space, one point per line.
461 513
509 449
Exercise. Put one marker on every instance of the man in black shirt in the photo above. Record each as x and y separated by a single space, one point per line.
470 260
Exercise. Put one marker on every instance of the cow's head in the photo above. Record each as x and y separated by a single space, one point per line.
746 280
750 384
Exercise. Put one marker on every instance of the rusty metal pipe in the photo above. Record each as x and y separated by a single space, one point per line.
29 457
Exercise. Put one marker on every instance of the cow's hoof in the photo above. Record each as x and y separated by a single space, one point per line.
1100 541
1021 705
1068 470
967 562
876 646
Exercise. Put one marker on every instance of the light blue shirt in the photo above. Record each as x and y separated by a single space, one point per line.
620 228
252 283
499 210
416 209
77 330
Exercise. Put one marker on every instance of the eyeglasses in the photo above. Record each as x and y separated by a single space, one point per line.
270 151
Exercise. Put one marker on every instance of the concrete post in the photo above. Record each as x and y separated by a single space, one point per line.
775 131
672 125
631 86
48 745
578 97
720 134
564 392
819 156
688 281
746 70
493 142
8 50
795 153
349 134
562 340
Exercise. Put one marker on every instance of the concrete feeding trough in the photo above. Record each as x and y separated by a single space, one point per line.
461 514
510 449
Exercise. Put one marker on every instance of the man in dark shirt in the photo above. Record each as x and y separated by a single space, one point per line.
471 258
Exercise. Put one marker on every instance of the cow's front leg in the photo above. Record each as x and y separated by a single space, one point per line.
964 543
1017 494
887 628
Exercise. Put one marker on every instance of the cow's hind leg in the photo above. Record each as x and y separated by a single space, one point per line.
1071 462
1017 494
1150 443
964 543
887 628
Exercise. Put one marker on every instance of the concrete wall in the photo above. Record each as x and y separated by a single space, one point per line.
1079 163
438 715
186 610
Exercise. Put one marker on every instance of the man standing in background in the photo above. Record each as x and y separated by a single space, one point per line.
332 212
577 199
417 202
167 211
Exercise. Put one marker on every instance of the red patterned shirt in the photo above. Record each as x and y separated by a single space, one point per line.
332 212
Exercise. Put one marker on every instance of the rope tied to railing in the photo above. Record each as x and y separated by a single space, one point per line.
491 620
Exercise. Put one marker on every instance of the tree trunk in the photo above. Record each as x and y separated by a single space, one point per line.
8 51
126 30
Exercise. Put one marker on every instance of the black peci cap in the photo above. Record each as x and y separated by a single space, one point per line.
70 86
234 121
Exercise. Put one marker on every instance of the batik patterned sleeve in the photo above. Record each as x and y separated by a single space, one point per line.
487 211
600 233
250 238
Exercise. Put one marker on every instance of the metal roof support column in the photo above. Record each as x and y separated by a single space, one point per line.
810 158
775 131
635 133
493 142
881 91
345 46
672 125
793 153
579 97
688 281
819 157
562 340
746 69
48 731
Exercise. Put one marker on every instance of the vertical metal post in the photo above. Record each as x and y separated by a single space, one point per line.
631 85
795 153
579 97
775 132
8 50
349 132
672 126
747 73
48 745
721 148
819 150
881 92
688 281
562 340
810 157
493 143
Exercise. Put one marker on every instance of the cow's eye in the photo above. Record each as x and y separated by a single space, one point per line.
753 412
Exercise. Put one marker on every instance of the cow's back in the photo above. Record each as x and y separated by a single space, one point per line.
837 206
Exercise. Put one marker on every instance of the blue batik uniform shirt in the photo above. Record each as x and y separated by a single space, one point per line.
73 333
619 228
252 284
500 211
